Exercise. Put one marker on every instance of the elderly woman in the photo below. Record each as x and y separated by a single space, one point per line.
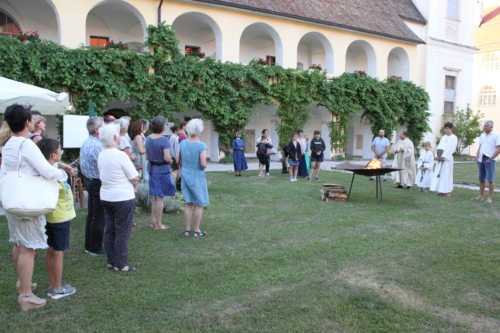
125 142
39 127
160 174
27 234
118 177
192 162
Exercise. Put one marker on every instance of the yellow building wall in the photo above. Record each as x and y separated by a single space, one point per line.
232 23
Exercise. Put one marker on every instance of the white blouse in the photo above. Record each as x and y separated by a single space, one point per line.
32 160
115 170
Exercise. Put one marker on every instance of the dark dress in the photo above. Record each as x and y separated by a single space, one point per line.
160 174
239 160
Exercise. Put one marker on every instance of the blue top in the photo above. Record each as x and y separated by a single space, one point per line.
238 144
89 153
193 182
154 152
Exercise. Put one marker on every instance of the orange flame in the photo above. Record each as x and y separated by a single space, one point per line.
374 164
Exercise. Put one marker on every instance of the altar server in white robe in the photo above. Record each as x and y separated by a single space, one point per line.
425 165
442 178
404 158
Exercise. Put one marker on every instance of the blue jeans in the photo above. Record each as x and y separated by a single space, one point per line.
486 170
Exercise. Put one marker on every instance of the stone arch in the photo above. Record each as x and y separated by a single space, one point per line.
315 48
35 15
200 30
259 40
118 21
360 56
398 64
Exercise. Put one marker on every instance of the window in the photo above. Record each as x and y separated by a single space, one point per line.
8 26
453 10
450 82
489 62
487 96
449 108
450 86
188 49
99 41
270 60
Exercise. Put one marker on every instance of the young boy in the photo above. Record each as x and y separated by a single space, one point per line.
425 164
58 228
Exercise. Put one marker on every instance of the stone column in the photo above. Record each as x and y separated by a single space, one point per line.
325 134
214 146
275 138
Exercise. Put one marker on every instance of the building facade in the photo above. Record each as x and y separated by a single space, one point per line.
487 67
427 42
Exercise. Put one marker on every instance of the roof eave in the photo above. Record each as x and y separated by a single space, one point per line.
308 19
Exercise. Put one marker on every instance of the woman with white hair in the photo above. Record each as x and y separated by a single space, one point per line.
192 162
125 142
118 177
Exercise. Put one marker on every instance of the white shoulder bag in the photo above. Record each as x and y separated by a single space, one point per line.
25 195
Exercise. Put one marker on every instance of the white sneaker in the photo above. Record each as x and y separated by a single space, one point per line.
267 174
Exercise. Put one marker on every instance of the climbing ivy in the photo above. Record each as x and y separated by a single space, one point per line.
165 81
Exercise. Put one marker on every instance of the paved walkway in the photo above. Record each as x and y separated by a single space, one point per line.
253 165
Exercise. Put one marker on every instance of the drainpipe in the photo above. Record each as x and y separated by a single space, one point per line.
159 12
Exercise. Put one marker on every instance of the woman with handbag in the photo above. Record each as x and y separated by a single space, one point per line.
264 150
27 233
161 183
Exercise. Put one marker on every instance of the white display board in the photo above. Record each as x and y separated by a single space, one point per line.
74 131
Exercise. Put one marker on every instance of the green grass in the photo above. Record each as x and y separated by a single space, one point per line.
467 173
278 259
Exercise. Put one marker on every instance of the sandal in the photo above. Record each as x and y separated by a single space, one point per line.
30 302
198 234
187 233
124 269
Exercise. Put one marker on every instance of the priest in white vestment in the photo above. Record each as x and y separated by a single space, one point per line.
425 165
442 179
404 158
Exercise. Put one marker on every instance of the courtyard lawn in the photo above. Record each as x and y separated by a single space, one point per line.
467 173
278 259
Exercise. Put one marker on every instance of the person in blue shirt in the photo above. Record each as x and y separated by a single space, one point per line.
89 153
239 160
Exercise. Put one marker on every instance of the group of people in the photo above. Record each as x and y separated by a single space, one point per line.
116 157
301 158
434 170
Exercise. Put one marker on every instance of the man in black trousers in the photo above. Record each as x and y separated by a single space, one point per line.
89 154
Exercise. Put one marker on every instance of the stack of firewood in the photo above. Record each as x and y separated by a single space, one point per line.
333 192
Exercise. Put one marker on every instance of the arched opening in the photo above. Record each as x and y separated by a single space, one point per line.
29 16
261 41
398 64
115 23
315 50
199 35
360 56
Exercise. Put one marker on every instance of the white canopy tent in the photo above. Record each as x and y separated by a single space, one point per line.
45 101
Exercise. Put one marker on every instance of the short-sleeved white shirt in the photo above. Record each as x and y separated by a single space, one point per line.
115 170
380 145
488 144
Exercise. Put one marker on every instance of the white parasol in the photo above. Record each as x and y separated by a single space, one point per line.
45 101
